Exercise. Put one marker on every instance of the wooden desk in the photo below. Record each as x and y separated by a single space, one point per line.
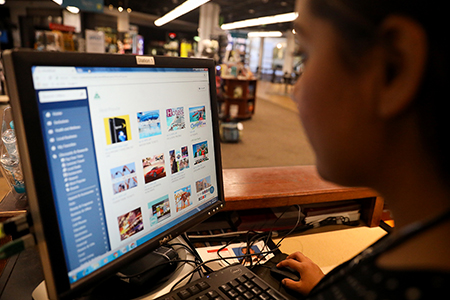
284 186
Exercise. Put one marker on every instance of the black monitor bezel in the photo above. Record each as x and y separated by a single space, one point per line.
18 71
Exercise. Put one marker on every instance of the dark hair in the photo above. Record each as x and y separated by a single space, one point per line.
357 21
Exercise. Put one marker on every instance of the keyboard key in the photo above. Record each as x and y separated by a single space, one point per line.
193 290
203 285
203 297
241 279
249 275
248 295
184 294
240 298
241 289
260 283
232 294
264 297
256 290
225 288
212 294
233 283
249 285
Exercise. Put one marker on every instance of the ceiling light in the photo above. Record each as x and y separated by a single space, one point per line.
180 10
73 9
129 10
289 17
120 9
59 2
264 34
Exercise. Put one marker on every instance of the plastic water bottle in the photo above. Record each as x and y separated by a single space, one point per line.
9 140
11 164
9 156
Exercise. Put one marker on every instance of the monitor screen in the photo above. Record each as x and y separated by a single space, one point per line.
119 156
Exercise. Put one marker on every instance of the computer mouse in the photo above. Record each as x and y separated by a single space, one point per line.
284 272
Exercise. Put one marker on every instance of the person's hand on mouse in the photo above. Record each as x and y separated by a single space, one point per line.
310 273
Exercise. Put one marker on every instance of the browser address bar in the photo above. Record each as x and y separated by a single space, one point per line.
62 95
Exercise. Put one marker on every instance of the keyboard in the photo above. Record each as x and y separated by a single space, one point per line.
234 282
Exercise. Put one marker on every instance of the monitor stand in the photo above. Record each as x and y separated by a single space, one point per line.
40 293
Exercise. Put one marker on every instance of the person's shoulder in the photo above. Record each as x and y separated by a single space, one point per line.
426 251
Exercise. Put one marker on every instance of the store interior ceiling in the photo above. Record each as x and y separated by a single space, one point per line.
230 10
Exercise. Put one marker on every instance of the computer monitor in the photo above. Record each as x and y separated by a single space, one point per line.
120 154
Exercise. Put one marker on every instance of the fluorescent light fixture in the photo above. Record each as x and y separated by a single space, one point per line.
73 9
59 2
179 11
289 17
264 34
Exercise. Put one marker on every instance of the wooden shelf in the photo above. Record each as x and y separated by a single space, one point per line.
240 93
284 186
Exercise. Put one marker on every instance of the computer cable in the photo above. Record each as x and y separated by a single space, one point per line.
194 252
277 246
293 228
222 235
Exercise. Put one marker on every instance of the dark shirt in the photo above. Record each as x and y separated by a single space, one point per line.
367 281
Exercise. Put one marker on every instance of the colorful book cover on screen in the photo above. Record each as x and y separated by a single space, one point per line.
149 123
124 177
197 117
175 119
117 129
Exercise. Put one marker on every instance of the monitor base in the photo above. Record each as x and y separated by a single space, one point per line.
40 292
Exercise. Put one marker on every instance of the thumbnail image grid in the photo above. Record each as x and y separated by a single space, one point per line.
154 167
175 119
149 123
197 117
200 152
183 198
130 223
117 129
123 178
159 210
179 159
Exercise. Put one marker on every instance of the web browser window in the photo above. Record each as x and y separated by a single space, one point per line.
130 154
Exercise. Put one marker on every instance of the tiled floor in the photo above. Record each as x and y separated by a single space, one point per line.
277 93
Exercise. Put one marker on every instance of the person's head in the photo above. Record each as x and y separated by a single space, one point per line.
373 70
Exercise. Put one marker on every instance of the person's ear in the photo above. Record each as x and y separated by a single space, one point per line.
405 54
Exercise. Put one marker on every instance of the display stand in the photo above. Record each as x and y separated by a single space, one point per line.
40 293
240 94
